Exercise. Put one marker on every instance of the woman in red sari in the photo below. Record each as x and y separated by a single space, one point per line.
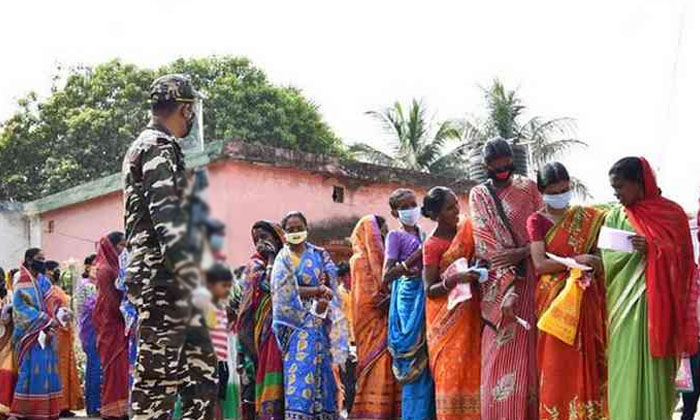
112 341
573 378
499 209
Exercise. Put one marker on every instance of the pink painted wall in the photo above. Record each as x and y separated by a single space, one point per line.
77 228
240 193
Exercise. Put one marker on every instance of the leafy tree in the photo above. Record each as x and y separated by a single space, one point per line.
416 143
546 139
82 130
242 103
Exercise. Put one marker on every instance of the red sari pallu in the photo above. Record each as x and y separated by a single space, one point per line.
670 270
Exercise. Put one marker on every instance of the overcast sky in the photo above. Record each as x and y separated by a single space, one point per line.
623 69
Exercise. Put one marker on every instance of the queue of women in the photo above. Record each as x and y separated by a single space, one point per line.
39 377
421 354
492 356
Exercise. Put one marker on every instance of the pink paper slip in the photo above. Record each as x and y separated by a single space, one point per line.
459 294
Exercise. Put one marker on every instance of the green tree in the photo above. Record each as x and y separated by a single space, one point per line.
415 141
82 130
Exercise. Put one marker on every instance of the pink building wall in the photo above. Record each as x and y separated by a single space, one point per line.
240 193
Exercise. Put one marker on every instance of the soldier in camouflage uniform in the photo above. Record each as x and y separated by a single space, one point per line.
175 353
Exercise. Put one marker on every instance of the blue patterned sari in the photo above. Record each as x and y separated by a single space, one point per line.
38 389
86 296
309 344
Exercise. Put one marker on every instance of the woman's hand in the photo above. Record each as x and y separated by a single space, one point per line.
509 257
639 243
393 273
461 278
266 249
340 396
592 261
324 292
53 326
508 308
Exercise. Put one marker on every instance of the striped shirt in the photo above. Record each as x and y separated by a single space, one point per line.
219 335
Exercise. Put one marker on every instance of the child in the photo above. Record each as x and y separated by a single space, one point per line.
402 270
219 283
346 385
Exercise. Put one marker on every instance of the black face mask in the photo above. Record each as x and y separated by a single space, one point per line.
38 266
501 174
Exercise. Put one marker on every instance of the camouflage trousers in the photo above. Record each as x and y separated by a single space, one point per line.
175 356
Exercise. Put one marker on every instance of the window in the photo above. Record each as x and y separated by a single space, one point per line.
338 194
50 227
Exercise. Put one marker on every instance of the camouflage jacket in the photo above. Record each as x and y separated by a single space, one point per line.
155 187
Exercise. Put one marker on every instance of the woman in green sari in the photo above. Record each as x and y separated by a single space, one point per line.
647 296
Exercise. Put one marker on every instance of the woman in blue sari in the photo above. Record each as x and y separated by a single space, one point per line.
407 334
35 314
86 296
308 323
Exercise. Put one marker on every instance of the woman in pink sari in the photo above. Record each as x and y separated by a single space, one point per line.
499 209
112 340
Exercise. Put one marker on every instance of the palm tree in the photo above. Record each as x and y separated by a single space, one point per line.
545 139
416 142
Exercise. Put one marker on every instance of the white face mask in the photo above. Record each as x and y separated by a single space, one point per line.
296 238
558 201
409 217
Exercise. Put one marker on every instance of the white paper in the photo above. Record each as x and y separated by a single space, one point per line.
42 339
314 309
522 323
615 239
63 316
569 262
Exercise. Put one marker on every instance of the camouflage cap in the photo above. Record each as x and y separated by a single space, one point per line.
173 87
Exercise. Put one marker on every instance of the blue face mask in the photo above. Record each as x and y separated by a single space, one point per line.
558 201
216 242
409 217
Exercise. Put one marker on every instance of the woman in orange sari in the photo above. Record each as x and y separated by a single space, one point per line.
573 378
71 387
454 336
377 394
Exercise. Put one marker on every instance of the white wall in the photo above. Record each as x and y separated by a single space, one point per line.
14 235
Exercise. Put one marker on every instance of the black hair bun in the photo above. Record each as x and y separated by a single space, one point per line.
433 202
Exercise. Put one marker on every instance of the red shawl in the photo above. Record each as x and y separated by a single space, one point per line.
112 342
670 270
107 316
